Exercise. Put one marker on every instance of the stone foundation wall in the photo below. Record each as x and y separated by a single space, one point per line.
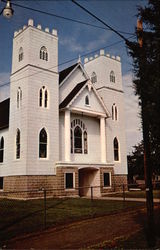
119 181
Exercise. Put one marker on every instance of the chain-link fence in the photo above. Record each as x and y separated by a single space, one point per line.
31 211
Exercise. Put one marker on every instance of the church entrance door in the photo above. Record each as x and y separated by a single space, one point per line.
89 177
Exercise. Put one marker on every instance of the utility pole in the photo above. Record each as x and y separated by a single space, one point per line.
145 126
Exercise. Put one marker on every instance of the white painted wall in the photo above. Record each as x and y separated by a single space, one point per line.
93 129
111 93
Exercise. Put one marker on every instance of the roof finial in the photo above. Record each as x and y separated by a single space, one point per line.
79 59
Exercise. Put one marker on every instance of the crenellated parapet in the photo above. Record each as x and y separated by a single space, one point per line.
39 27
102 53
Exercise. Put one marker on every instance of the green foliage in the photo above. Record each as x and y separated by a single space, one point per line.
146 62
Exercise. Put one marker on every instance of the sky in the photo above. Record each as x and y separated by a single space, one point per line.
77 39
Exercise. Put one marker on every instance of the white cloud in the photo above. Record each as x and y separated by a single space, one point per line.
132 110
4 85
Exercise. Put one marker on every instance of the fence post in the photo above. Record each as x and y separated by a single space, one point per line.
44 192
123 192
91 193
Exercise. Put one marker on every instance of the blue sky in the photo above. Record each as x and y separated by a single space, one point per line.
77 39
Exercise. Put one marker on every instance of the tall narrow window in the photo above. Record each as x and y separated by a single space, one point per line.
40 98
93 77
85 143
20 55
112 77
116 149
43 53
1 183
114 112
1 149
43 97
18 144
87 100
71 141
77 140
19 97
43 143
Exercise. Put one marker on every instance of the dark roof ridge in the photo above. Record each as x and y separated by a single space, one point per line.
4 114
65 72
72 94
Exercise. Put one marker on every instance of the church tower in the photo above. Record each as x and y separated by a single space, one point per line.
105 73
34 104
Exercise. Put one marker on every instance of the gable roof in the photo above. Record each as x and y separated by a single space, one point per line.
72 94
4 114
64 73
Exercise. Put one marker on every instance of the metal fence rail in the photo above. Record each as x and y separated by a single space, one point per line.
37 208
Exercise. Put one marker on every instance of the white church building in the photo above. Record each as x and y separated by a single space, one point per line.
61 130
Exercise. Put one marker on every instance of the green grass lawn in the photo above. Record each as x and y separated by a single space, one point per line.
136 194
21 217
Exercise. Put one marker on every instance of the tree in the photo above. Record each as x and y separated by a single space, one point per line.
135 162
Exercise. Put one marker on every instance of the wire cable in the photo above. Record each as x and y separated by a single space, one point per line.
65 18
66 62
97 18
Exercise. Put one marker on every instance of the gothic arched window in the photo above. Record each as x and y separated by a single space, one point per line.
18 143
114 112
43 97
87 100
43 143
112 77
19 97
20 55
1 149
79 143
93 77
44 53
116 149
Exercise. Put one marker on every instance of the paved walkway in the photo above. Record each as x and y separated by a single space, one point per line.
83 234
126 199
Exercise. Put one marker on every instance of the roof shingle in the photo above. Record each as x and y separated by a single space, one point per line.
4 114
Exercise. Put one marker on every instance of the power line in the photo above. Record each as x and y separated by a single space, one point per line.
97 18
68 61
65 18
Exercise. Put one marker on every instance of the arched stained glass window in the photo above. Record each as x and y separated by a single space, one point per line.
43 143
1 149
79 142
18 144
116 149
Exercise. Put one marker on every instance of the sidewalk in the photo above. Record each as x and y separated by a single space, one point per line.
126 199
